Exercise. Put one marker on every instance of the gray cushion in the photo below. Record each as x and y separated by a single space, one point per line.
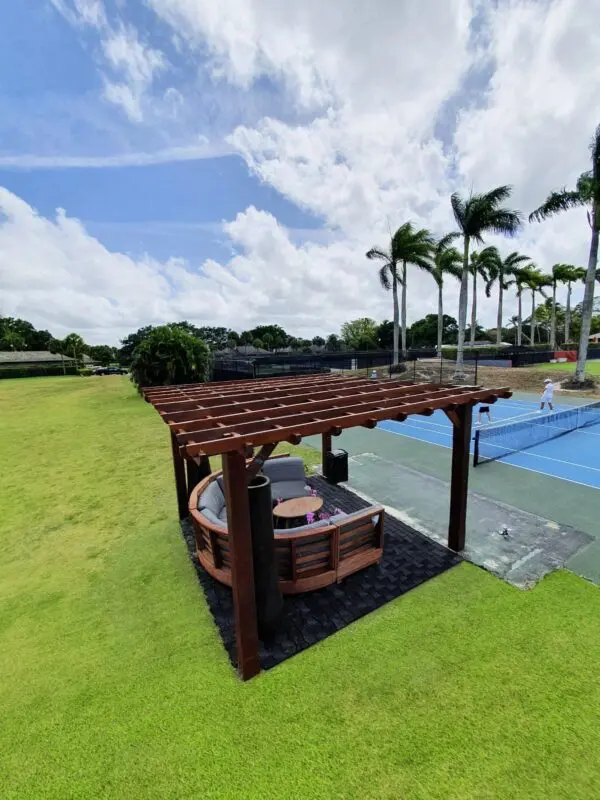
212 517
287 490
359 516
223 515
337 517
284 469
212 498
320 523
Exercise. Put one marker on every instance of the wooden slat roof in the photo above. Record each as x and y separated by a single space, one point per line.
214 418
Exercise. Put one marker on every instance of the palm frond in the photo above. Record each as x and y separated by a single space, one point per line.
595 148
453 269
459 208
505 221
512 261
423 263
385 277
413 246
556 203
445 242
376 253
481 213
497 195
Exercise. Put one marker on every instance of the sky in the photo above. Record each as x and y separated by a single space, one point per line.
230 162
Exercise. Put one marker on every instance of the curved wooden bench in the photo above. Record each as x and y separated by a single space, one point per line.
306 560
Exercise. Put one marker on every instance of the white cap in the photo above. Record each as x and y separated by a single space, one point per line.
547 380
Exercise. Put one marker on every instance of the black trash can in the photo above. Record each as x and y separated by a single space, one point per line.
269 601
336 466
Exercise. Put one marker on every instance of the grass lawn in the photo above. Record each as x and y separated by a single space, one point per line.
591 368
114 684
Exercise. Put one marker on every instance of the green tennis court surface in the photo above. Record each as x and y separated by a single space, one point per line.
551 522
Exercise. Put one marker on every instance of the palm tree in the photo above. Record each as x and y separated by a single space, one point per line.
563 273
390 277
407 246
446 260
500 270
411 246
481 264
519 280
535 282
586 193
476 216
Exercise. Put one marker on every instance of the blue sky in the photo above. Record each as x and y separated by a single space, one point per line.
167 209
230 163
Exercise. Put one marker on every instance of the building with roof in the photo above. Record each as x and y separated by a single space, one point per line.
32 358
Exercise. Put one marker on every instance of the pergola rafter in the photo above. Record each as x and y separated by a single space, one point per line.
232 418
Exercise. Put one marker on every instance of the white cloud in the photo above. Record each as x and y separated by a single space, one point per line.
376 77
193 152
134 62
138 63
55 274
365 85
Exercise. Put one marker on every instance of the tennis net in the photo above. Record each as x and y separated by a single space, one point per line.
497 441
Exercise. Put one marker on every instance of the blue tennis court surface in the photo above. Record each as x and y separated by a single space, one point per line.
574 456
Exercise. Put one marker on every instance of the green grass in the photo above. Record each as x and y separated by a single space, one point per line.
591 368
114 683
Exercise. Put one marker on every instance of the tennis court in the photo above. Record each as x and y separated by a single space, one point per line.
573 456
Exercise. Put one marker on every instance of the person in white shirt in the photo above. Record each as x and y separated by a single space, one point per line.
547 394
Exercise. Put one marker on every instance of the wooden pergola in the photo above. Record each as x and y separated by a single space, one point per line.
233 418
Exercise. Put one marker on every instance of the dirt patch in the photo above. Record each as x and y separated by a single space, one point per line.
531 380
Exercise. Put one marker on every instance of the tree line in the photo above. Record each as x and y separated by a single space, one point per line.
479 215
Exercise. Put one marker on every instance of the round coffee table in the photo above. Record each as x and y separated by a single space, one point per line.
297 508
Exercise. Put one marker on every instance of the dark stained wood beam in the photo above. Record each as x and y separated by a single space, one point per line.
459 485
221 440
325 448
180 479
196 471
255 466
307 411
242 568
213 402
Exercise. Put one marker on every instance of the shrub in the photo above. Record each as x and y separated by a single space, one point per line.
397 369
36 371
167 356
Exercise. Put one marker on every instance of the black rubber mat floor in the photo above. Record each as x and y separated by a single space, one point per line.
409 559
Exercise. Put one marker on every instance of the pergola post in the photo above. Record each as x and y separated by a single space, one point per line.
197 469
180 482
462 419
242 567
325 448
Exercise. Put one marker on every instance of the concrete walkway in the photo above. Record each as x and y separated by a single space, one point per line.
515 542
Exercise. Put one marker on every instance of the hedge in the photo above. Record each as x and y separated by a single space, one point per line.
36 371
449 353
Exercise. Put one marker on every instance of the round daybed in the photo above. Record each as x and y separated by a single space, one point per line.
309 556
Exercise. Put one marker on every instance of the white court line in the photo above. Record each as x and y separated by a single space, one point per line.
541 472
505 420
551 458
417 438
503 463
496 423
584 430
527 452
